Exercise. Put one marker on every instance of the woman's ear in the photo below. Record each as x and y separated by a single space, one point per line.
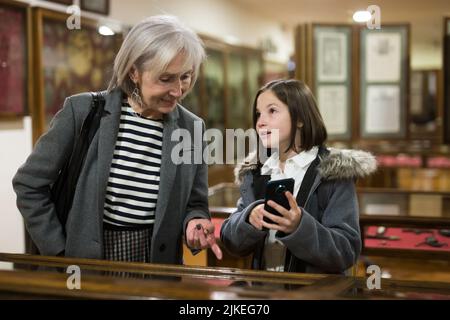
134 74
299 124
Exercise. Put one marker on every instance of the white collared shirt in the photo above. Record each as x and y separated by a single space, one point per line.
295 167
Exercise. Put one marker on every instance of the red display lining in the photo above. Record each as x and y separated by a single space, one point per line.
408 240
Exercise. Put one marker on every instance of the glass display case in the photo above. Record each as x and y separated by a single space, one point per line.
214 82
393 222
40 277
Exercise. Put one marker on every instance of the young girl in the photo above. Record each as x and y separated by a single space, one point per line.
320 233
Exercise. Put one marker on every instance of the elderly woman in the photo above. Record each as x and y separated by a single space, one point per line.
132 202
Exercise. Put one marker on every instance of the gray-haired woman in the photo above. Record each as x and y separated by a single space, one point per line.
132 202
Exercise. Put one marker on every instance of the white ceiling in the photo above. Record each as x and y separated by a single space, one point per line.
425 16
292 12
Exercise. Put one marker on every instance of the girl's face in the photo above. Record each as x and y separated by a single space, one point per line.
273 123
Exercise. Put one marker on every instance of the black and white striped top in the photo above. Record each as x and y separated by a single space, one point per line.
133 183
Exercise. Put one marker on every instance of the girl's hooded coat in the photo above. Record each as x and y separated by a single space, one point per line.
327 239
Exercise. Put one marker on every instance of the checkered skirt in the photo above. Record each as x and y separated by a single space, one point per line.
127 245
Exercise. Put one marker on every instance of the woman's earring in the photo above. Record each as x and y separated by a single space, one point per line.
136 96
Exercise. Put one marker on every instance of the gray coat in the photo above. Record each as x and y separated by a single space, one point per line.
327 239
182 194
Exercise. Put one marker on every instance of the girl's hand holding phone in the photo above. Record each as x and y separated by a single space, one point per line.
256 216
289 220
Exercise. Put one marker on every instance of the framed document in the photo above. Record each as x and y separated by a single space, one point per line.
14 62
382 113
332 77
384 82
332 100
331 56
383 57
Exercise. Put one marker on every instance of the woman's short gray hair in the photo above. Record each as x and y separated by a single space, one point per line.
151 45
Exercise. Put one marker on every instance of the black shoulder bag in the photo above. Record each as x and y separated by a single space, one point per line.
63 190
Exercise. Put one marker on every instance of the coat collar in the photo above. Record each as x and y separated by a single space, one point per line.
334 164
300 160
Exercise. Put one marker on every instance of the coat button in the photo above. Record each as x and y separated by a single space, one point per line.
162 247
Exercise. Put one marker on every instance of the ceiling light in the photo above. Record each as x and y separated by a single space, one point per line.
362 16
105 31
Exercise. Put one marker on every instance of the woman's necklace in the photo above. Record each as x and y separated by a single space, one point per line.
132 111
136 114
139 114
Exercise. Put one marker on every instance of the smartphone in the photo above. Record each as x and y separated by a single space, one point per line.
275 190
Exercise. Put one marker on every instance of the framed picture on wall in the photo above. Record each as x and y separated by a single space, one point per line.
14 61
383 57
331 56
332 100
70 61
332 46
384 82
382 113
97 6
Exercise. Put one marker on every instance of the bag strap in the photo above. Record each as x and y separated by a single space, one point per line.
307 182
88 129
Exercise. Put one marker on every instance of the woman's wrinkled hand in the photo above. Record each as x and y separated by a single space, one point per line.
200 235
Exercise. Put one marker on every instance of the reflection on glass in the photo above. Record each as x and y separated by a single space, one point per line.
423 106
254 76
192 100
237 107
397 293
214 87
261 286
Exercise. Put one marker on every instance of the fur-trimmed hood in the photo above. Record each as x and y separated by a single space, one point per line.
338 164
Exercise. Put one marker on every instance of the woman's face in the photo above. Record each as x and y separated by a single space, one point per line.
161 93
273 121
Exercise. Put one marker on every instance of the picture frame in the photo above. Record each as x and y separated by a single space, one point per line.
332 103
384 82
15 57
382 52
331 56
75 61
96 6
382 113
332 74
